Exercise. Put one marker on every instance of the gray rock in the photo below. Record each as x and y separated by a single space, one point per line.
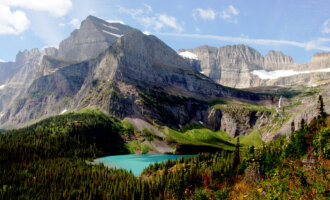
233 66
92 38
275 60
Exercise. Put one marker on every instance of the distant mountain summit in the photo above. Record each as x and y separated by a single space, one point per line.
241 66
93 37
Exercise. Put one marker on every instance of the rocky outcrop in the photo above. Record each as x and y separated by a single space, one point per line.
307 110
229 64
7 71
27 63
238 120
50 64
275 60
92 38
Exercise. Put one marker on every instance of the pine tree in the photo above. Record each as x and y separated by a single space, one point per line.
302 123
237 157
292 127
322 113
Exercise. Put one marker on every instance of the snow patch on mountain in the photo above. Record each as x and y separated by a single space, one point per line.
2 86
262 74
187 54
114 34
112 27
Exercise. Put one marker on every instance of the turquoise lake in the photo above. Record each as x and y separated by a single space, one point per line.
134 162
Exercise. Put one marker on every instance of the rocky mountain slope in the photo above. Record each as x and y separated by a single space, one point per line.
241 66
93 37
137 76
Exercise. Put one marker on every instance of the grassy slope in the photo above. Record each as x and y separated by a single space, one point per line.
201 136
198 135
253 139
232 105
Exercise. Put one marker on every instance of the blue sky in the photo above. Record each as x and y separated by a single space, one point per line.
298 28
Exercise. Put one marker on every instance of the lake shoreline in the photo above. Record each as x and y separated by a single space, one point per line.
135 163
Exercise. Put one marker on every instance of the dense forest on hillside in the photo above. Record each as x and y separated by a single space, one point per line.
51 160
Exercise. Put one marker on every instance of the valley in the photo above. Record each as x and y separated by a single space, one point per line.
249 123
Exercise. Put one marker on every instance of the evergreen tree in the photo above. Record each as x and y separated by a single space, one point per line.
237 156
292 127
302 123
322 113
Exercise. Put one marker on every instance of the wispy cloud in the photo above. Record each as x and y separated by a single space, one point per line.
206 14
319 44
150 20
61 24
229 14
74 23
170 22
326 26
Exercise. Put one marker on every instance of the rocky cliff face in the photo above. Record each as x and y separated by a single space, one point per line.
26 63
92 38
234 66
275 60
229 65
7 71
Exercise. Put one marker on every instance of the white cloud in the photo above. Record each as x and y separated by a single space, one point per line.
61 24
74 23
314 44
57 8
12 22
2 60
149 8
318 44
148 19
326 26
229 14
13 19
170 22
91 12
115 21
206 14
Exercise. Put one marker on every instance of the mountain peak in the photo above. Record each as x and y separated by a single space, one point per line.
93 37
319 57
275 59
150 48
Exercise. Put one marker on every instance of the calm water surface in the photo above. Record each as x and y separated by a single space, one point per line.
134 162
